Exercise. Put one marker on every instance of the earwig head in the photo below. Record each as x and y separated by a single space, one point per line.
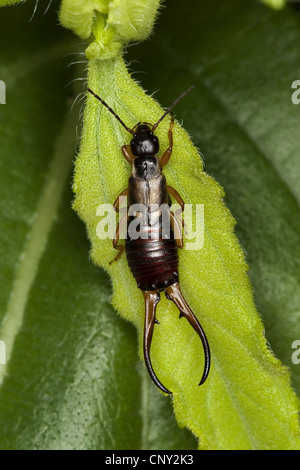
144 141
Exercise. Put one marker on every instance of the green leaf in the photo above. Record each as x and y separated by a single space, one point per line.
246 126
276 4
109 24
73 378
213 280
9 2
67 383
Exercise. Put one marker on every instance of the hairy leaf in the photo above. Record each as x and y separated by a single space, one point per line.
213 280
73 379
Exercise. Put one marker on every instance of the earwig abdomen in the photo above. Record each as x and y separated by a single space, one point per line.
152 256
153 263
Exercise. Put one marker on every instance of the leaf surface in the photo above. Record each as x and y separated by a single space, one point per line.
69 382
213 279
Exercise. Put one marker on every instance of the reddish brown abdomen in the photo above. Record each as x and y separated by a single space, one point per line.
153 263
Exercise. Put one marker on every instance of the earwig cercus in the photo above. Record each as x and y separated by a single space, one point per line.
152 258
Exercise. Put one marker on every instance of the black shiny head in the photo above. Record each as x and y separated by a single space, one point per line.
144 141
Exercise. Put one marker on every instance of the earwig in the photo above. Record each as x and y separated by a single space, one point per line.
153 258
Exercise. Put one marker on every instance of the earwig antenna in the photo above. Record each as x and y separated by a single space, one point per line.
112 111
172 106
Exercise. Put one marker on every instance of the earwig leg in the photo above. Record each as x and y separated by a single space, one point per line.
180 201
167 154
176 196
116 204
151 300
177 230
174 293
121 249
120 226
119 230
127 153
